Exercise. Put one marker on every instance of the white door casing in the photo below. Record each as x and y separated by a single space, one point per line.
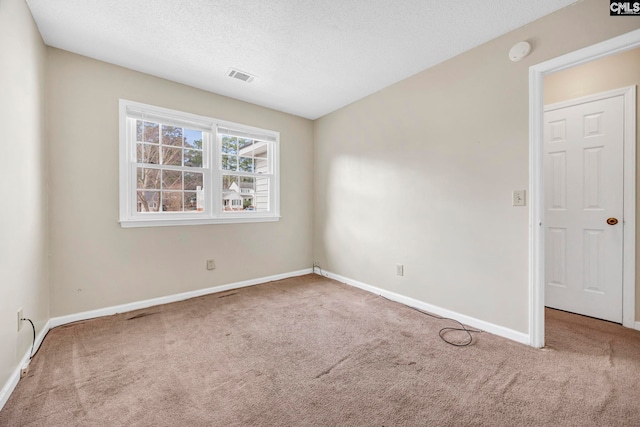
537 72
583 187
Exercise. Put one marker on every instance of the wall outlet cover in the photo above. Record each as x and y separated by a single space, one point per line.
20 317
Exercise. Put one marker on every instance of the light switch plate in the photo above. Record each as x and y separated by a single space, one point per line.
519 197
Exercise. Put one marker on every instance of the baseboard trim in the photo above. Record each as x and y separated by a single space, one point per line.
12 382
636 326
123 308
411 302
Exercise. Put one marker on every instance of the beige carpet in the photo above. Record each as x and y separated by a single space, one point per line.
309 351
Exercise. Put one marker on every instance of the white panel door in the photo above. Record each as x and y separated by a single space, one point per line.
583 184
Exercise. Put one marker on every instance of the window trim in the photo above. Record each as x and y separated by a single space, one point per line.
212 171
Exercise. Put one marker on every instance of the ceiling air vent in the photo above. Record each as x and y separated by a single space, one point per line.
241 75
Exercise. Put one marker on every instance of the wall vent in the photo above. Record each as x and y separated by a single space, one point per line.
241 75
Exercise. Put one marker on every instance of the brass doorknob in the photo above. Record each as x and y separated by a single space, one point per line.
612 221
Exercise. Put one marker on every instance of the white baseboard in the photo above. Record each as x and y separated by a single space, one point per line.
123 308
636 326
411 302
12 382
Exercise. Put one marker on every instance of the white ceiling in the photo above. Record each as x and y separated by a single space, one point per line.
310 57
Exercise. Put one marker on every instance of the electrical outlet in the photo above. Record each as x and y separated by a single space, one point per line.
20 317
399 270
211 264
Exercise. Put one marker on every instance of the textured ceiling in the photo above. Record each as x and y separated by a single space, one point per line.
310 57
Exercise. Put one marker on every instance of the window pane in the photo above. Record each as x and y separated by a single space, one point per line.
245 147
148 201
239 193
262 194
246 164
262 165
171 180
150 132
172 135
229 144
147 153
227 180
192 138
229 163
172 201
192 180
193 158
231 198
260 149
247 191
148 178
190 201
171 156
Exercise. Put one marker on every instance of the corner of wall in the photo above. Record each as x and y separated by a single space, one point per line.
23 181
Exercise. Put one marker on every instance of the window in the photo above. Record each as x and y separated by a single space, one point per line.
178 168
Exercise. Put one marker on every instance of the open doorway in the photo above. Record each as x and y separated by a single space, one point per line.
579 74
586 142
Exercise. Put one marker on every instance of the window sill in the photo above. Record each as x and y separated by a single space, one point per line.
166 222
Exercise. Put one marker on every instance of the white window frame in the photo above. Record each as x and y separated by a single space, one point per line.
213 212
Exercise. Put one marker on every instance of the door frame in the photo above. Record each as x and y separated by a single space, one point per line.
537 72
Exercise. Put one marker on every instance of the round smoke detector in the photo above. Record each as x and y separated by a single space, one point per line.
519 51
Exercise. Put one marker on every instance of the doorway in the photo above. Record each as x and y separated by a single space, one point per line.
537 192
584 180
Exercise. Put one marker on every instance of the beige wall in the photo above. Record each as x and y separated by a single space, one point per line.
23 260
608 73
421 174
94 262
